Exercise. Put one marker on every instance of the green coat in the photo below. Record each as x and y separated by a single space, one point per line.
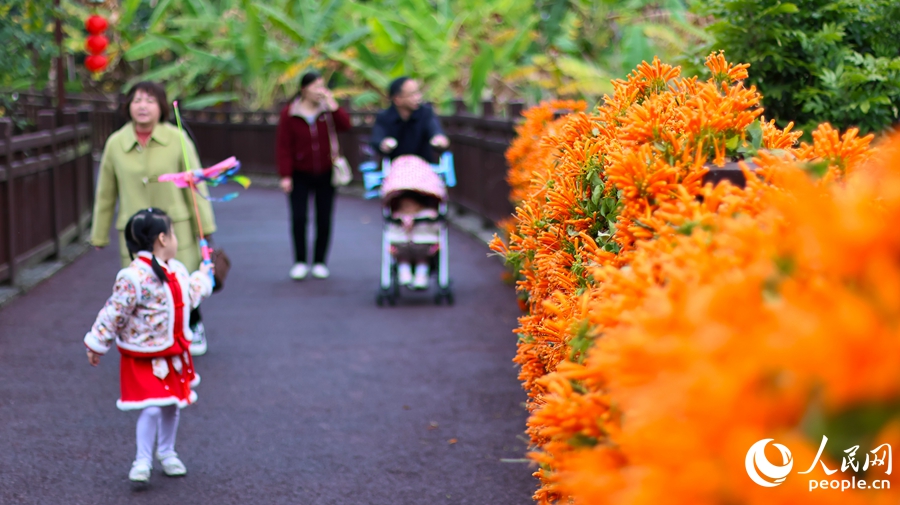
128 175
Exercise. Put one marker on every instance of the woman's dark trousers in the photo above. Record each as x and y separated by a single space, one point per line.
319 186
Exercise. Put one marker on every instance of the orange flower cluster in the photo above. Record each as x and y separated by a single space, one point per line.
671 325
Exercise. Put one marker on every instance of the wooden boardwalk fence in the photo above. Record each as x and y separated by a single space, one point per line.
46 188
477 142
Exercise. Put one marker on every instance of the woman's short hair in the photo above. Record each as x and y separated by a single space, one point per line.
153 89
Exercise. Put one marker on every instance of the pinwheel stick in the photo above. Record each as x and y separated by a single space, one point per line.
204 245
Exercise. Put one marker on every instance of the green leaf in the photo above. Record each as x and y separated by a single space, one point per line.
635 47
209 100
161 73
255 39
785 8
148 46
480 68
202 8
349 39
280 21
159 12
127 12
580 440
756 134
817 169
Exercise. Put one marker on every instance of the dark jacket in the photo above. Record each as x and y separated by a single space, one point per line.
413 136
303 147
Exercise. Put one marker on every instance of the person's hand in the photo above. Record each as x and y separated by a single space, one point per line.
207 268
388 144
331 104
93 358
287 185
440 141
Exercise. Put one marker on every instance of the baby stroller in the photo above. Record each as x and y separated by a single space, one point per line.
412 178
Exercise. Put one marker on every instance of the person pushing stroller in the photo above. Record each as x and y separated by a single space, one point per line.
407 126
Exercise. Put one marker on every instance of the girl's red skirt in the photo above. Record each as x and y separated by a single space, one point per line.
157 382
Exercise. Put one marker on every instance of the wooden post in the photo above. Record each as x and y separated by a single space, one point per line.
514 110
60 66
71 118
487 108
6 129
459 107
47 121
90 115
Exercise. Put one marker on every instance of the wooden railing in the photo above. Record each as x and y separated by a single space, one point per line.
46 188
477 142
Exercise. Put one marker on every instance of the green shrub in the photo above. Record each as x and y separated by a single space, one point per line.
816 60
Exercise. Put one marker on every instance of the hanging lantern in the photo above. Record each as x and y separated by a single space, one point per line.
96 62
95 25
96 44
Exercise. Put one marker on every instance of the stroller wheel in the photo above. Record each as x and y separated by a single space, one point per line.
444 294
386 294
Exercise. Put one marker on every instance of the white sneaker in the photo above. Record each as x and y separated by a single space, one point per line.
299 271
421 279
140 472
404 274
320 271
198 344
172 466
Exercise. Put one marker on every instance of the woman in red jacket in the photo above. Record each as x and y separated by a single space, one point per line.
304 157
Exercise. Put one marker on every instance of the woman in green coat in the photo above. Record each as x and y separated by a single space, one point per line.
134 156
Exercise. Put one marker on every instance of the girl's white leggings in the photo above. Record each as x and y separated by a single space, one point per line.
160 424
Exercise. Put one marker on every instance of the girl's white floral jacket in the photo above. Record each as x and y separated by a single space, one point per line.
140 314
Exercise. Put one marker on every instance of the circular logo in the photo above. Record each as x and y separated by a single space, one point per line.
757 463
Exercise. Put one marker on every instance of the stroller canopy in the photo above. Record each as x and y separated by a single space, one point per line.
412 173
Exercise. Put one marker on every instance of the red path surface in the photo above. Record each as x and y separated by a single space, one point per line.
310 394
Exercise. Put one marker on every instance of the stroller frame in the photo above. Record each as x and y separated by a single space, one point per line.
389 286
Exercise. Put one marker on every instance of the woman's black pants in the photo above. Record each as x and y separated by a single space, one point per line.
319 186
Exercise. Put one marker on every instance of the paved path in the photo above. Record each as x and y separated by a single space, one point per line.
310 394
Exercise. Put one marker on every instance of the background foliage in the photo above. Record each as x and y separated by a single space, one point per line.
252 52
817 60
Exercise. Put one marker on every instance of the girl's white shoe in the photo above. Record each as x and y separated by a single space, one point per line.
140 472
404 274
173 467
198 346
421 279
299 271
320 271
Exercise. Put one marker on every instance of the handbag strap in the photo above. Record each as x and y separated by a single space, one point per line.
332 136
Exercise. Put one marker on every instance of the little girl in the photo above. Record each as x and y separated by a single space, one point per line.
147 316
415 238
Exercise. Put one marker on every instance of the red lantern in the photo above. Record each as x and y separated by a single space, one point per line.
96 62
96 44
96 25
